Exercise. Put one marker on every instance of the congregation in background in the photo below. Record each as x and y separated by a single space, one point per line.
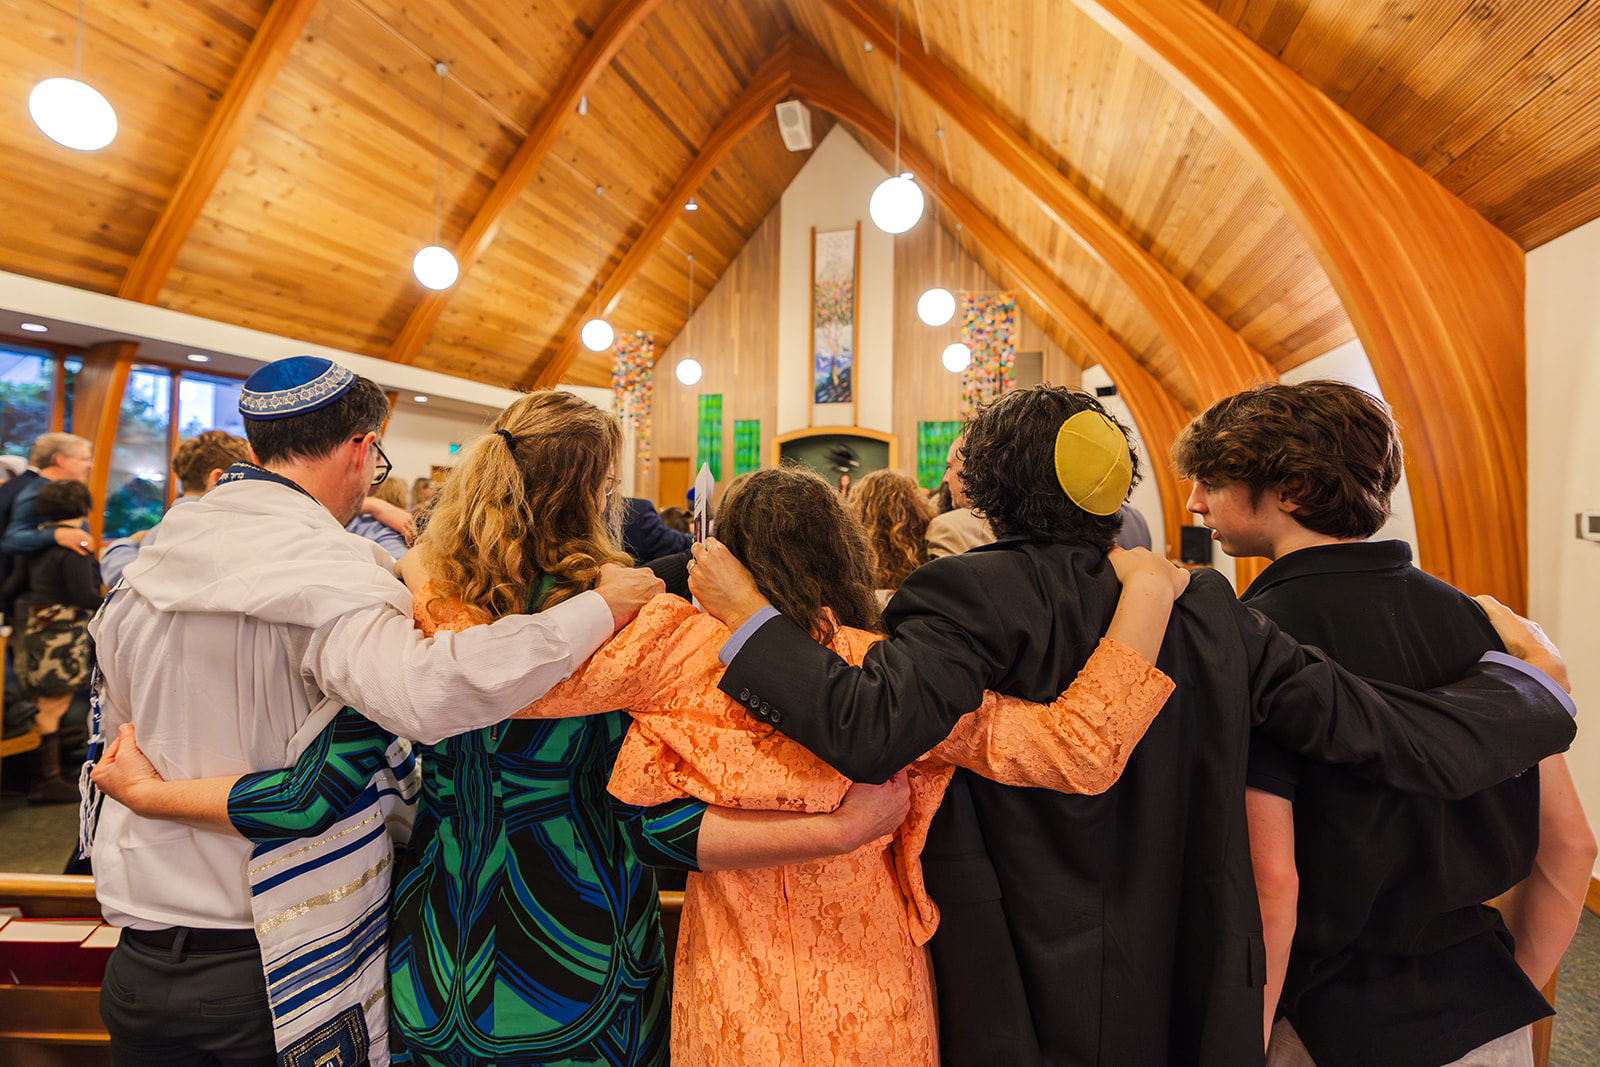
920 757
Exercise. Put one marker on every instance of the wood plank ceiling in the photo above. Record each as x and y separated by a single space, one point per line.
310 228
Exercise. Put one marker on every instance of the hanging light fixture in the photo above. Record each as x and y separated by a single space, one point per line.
688 370
896 203
70 112
691 205
597 333
935 306
957 356
434 266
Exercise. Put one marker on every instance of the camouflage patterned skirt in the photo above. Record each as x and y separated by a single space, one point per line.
56 654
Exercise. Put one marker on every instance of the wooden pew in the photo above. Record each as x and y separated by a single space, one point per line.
59 1026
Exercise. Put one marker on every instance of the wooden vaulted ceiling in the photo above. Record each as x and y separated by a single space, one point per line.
319 187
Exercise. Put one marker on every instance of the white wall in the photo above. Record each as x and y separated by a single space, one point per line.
1563 475
831 193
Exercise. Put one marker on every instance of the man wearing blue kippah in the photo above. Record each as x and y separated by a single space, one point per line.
230 643
1120 928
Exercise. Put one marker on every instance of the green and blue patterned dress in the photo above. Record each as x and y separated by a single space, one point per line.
526 927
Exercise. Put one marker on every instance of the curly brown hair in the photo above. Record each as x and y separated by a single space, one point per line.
513 511
203 453
804 548
1010 467
1334 449
896 514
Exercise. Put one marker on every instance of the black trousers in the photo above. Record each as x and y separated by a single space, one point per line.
183 1007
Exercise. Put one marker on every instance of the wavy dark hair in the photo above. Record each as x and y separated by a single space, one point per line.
1010 467
1334 449
803 547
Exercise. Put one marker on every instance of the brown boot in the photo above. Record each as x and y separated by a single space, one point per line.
45 763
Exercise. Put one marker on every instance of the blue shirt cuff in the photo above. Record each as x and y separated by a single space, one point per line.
732 646
1536 674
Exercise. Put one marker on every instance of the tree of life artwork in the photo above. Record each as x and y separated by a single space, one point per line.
833 317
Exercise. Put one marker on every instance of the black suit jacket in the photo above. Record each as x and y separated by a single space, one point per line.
644 536
1122 928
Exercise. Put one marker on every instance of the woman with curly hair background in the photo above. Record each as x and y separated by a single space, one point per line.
896 513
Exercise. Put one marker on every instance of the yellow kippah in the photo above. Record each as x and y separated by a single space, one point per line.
1092 463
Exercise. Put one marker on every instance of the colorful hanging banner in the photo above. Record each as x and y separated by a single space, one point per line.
989 329
746 446
933 445
633 364
708 435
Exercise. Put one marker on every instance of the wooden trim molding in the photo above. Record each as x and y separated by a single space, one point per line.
1217 360
147 275
1434 291
766 90
96 406
597 54
1591 900
775 448
1158 414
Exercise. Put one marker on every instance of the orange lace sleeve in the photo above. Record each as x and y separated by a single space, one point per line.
1079 743
625 671
692 740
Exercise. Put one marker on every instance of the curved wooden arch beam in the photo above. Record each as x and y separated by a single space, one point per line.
766 90
1217 360
1158 414
240 104
596 55
1434 291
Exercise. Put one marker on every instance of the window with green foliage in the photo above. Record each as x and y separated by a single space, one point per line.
136 492
26 378
208 403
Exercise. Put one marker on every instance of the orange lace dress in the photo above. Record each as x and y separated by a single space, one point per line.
821 963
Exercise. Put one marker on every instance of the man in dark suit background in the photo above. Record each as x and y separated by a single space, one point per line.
1122 928
644 536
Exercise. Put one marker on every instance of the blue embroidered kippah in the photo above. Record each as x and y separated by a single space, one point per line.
293 386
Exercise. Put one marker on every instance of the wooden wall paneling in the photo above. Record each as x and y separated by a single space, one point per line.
1217 358
768 88
1435 292
235 112
735 339
923 389
608 39
96 408
1159 415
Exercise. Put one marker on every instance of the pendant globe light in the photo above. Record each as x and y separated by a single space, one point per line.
956 356
935 306
434 266
896 203
688 370
597 333
70 112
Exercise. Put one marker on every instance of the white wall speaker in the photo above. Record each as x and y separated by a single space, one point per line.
794 123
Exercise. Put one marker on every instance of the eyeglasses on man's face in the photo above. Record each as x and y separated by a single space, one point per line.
381 474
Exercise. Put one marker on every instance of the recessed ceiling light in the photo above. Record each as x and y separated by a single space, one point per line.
420 399
35 327
199 357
